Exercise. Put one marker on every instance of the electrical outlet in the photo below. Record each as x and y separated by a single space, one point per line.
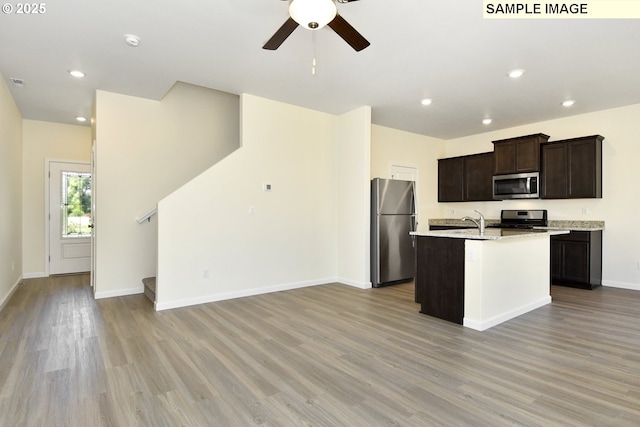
585 211
452 212
205 273
252 210
471 255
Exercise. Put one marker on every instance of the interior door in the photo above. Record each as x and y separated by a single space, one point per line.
404 173
93 216
69 217
407 173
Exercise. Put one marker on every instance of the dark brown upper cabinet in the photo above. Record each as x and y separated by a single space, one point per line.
572 168
451 179
517 155
465 178
478 174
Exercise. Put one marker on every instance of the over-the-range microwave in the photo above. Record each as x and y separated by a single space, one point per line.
516 186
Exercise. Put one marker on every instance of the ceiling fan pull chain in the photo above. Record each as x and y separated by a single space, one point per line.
313 62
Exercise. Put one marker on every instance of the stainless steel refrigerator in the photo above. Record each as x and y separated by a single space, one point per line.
393 216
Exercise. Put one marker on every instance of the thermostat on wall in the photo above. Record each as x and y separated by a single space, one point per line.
266 187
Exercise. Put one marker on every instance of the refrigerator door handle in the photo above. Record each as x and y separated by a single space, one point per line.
414 227
414 205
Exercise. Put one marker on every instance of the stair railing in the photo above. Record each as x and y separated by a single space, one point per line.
147 216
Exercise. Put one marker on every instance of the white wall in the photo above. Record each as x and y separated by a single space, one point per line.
620 202
252 253
352 139
44 141
250 241
10 194
395 147
145 150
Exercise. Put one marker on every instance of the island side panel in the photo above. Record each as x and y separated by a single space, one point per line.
440 277
504 279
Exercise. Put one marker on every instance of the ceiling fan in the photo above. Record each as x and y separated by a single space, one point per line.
313 15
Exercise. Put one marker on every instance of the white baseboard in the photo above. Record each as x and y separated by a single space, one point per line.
622 285
496 320
10 293
120 292
35 275
355 284
239 294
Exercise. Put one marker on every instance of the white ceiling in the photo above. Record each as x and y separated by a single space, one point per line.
438 49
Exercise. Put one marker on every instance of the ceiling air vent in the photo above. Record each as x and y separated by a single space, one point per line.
17 82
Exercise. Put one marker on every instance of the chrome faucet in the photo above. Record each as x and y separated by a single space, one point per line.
478 222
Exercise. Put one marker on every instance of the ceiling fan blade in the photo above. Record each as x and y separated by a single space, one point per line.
348 33
281 35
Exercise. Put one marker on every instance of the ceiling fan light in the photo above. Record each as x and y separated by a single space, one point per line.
515 74
312 14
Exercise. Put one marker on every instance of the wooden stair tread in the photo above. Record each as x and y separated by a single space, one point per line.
150 288
149 282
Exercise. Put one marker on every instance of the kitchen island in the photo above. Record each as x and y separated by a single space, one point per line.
481 280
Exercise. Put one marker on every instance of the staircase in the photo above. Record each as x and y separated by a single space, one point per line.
150 288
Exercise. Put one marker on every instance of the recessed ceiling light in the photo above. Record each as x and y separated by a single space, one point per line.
81 119
426 101
568 103
486 121
132 40
514 74
76 73
17 82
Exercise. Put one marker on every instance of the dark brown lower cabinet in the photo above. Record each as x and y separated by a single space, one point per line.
439 285
576 259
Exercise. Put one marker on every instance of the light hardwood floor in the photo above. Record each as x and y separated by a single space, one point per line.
322 356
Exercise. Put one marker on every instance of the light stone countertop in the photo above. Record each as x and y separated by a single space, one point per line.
575 225
457 222
489 234
571 225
